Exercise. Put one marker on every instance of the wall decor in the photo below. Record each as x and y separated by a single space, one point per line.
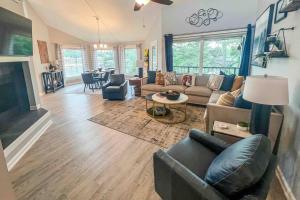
204 17
263 28
42 45
278 15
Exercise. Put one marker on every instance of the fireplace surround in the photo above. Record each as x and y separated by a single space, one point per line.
22 120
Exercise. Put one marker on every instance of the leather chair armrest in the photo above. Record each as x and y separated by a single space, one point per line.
215 144
173 181
105 86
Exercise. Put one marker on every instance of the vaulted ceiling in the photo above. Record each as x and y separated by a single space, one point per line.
119 23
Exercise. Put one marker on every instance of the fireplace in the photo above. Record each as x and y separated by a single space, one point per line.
18 108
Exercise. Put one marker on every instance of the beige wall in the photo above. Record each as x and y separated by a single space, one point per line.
59 37
289 159
12 6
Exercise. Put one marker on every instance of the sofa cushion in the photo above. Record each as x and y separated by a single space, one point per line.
198 91
227 82
241 165
159 79
215 81
152 87
226 99
188 80
185 152
237 83
117 79
113 89
177 88
202 80
151 77
215 96
240 102
170 78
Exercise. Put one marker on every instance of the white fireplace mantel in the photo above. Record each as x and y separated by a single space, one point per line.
14 59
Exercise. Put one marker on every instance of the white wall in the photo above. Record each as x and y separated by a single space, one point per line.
59 37
39 32
12 6
156 35
236 14
290 68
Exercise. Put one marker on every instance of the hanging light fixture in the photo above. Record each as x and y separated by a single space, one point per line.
99 44
142 2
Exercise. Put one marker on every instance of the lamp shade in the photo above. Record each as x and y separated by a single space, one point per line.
266 90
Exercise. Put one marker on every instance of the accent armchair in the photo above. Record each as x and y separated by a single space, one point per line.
181 172
116 89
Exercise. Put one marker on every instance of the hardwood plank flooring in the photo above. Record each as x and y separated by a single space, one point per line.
78 159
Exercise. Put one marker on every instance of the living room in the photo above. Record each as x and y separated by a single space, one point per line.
140 99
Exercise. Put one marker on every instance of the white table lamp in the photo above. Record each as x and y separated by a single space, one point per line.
265 92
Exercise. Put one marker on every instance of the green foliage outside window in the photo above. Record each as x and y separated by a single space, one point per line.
130 61
104 59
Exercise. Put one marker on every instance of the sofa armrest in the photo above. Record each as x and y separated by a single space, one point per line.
215 144
173 181
227 114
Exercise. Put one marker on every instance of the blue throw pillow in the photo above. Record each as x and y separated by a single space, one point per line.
151 77
227 82
240 102
241 165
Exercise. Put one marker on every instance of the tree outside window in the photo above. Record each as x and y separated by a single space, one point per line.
130 61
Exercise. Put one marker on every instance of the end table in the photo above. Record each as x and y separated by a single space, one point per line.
137 84
231 130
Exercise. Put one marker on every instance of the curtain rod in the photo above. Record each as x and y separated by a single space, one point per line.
242 29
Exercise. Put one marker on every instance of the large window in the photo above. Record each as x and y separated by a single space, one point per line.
130 58
104 59
73 62
208 55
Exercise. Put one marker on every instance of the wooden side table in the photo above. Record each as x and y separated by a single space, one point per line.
137 84
231 130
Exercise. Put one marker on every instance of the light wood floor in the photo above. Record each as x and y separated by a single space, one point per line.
77 159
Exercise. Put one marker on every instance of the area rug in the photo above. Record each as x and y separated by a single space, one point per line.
130 117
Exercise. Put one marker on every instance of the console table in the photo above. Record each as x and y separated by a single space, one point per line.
53 81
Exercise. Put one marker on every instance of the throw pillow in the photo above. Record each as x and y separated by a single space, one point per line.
236 93
215 81
237 83
226 99
188 80
227 82
151 77
240 102
159 80
241 165
170 78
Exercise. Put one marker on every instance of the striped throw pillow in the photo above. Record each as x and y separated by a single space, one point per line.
226 99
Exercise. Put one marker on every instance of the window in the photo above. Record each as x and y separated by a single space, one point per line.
207 56
222 55
130 55
186 57
73 62
104 59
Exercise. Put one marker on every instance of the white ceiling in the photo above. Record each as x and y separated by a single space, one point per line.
119 22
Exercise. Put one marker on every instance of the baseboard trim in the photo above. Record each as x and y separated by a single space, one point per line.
15 151
284 185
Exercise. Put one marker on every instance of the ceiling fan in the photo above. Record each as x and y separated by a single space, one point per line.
140 3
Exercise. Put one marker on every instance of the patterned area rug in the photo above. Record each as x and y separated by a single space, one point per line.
130 117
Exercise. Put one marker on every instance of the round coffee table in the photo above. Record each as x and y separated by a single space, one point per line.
170 105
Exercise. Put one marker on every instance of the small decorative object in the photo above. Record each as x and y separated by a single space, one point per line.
277 47
242 126
279 15
263 28
173 95
204 17
223 126
42 45
52 68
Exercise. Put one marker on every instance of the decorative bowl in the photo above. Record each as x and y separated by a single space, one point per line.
172 95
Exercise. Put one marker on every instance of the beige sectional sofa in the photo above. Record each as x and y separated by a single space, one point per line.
198 94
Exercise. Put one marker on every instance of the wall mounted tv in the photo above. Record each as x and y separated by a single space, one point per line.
15 34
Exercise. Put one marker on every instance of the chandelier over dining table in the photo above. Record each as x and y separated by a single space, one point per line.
99 45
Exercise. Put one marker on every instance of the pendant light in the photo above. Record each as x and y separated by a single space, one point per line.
99 44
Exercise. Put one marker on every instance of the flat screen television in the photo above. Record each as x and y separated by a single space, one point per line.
15 34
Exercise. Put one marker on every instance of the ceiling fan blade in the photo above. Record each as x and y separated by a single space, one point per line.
165 2
137 6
